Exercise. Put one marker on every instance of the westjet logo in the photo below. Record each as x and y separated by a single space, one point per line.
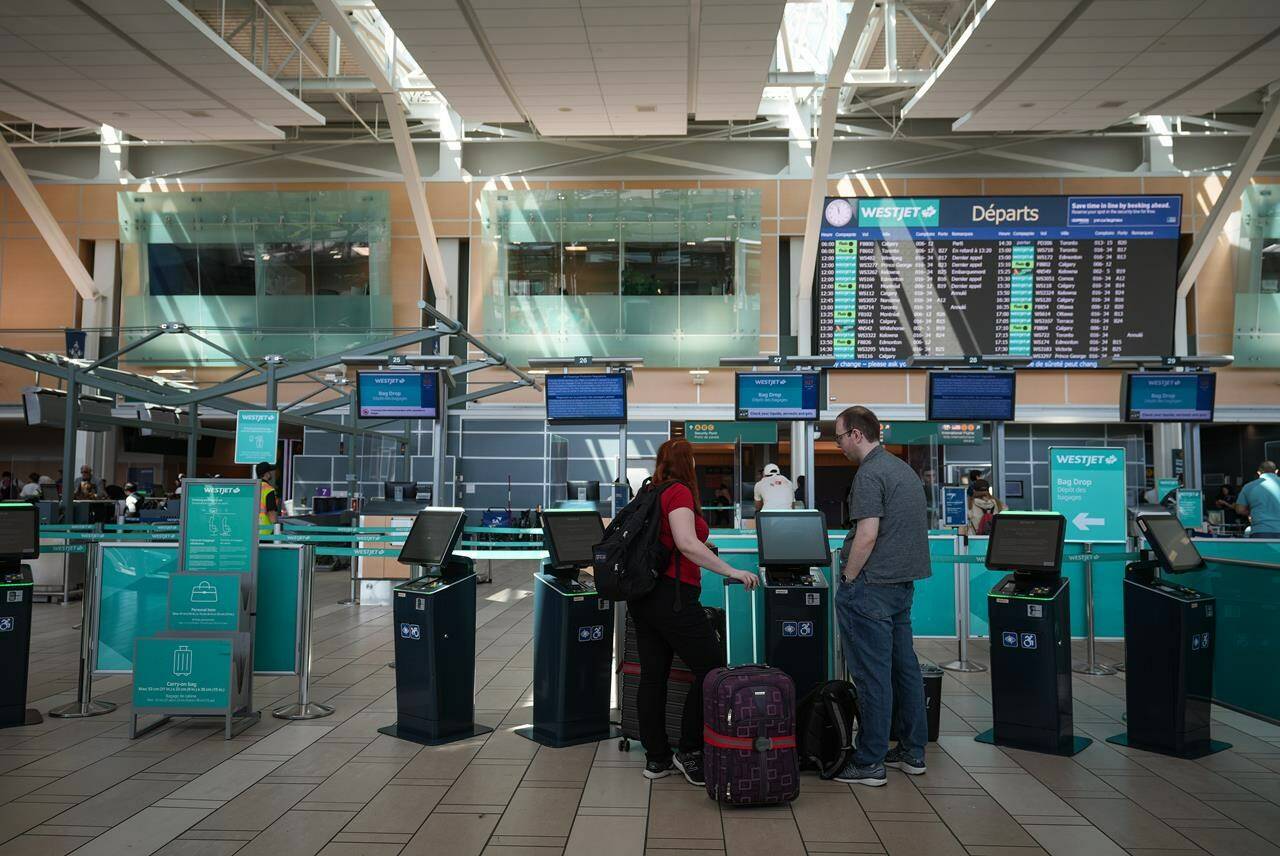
1086 460
389 380
257 417
907 212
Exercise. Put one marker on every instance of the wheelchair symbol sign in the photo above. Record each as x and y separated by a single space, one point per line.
410 631
1029 641
6 624
806 628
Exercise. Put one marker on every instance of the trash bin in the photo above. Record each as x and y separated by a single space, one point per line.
932 676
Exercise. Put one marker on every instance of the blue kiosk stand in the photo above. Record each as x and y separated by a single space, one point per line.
572 637
1030 620
19 540
435 635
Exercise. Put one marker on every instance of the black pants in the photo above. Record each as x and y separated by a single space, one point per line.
661 630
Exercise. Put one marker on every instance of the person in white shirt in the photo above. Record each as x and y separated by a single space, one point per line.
775 491
31 490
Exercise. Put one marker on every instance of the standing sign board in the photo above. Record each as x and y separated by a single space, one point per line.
1087 486
955 509
257 436
1191 508
1166 488
202 664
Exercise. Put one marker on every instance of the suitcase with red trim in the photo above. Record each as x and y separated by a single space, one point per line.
678 682
749 736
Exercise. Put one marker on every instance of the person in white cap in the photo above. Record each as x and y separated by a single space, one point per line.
775 491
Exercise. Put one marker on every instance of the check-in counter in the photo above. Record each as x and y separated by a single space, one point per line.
58 575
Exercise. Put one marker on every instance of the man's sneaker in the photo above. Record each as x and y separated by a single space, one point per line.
658 769
898 759
872 775
690 763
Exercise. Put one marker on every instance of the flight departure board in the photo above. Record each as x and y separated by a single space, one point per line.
1065 281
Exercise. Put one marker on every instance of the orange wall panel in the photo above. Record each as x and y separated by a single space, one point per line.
1088 387
845 389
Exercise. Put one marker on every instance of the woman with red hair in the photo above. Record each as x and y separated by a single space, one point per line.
670 619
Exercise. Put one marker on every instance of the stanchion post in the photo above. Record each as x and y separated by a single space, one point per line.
85 705
305 707
1091 666
962 663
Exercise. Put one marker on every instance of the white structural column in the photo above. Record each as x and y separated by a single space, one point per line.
853 27
337 19
1264 134
46 225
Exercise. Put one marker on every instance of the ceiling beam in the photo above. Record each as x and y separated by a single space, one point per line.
34 204
854 26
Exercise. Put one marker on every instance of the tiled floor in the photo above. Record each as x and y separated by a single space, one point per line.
335 786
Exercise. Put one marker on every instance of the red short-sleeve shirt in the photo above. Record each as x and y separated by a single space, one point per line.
679 496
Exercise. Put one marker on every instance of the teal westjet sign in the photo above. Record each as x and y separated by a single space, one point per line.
257 436
188 674
1087 486
219 525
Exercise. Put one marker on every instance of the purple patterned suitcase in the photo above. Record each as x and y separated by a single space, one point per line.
749 736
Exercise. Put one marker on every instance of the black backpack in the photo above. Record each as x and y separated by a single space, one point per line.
630 558
827 727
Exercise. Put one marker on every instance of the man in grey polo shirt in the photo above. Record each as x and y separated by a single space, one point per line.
881 558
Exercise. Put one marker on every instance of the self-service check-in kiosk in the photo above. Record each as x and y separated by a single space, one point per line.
1030 620
19 540
792 553
572 637
435 635
1169 637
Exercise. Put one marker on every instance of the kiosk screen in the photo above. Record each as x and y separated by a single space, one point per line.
19 531
434 534
1169 541
1026 543
793 539
571 537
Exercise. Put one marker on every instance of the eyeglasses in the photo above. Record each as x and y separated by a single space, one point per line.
840 437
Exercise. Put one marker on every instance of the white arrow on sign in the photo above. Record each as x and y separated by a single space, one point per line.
1083 521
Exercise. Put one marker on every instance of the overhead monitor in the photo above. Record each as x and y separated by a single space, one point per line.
19 531
583 490
586 399
971 396
432 538
400 491
400 394
1168 397
778 396
1065 281
1168 539
1027 542
571 537
795 538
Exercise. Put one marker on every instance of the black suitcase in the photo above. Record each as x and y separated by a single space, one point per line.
678 682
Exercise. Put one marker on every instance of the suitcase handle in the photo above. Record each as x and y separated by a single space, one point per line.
755 622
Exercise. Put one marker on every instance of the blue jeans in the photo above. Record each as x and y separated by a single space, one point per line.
875 629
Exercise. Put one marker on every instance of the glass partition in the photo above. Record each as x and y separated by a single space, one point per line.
669 275
1256 341
293 273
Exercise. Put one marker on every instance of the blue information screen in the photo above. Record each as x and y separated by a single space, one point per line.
972 396
1169 397
586 398
778 396
398 394
1066 281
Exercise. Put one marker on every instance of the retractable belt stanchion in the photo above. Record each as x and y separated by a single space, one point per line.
305 707
1090 666
85 705
962 663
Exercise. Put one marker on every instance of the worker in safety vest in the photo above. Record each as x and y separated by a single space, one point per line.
268 499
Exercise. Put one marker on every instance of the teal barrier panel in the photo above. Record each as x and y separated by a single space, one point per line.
933 610
1108 589
1248 644
134 596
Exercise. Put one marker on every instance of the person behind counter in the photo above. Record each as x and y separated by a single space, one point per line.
775 491
1259 500
1226 502
86 490
268 499
669 619
32 490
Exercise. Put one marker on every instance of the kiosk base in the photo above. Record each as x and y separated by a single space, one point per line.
1199 749
545 738
1072 746
418 737
30 716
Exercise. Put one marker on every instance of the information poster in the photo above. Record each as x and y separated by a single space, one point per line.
219 525
205 602
1087 486
257 436
184 674
955 509
1191 508
1166 488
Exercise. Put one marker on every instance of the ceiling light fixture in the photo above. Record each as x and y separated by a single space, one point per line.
574 248
565 109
